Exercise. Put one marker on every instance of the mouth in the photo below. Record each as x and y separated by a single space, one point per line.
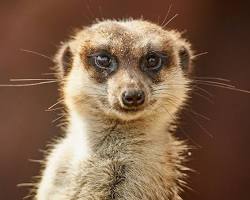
118 109
133 110
126 110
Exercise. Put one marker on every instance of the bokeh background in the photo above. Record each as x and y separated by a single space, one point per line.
221 28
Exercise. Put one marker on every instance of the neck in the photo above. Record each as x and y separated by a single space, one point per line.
103 135
143 148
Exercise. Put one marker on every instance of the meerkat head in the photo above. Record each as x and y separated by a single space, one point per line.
125 69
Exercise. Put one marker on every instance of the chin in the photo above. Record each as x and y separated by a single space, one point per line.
117 111
129 115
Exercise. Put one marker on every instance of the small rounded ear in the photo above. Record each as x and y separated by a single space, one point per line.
64 60
185 58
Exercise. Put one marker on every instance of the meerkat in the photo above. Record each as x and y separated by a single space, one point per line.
122 83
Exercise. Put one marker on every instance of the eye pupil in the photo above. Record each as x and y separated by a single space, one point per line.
152 61
103 61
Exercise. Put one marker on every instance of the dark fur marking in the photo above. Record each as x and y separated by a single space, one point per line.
96 75
115 141
67 59
184 58
117 177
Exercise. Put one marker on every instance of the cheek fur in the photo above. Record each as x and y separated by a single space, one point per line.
81 90
173 92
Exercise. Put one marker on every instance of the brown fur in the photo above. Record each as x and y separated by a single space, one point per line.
109 152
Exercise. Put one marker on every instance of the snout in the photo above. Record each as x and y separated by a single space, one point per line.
133 98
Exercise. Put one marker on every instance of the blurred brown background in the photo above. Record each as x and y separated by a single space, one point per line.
220 27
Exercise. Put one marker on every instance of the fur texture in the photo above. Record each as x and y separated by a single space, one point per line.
110 152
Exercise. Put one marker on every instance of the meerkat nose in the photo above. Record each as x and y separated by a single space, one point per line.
133 98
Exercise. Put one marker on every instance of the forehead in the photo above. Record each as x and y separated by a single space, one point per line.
126 36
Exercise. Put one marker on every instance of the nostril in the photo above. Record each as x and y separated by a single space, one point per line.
133 97
129 99
140 97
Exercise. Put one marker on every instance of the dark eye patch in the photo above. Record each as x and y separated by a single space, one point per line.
103 61
153 61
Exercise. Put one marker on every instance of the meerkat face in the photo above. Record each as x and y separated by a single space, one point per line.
125 69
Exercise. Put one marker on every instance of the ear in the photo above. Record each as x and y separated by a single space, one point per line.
185 56
64 60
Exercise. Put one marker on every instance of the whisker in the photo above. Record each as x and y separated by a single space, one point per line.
169 9
63 124
38 54
101 90
200 115
58 102
201 127
204 97
25 184
60 117
28 196
176 15
212 78
49 73
53 109
166 93
194 112
182 130
193 119
37 161
31 79
167 84
213 82
203 90
229 88
96 95
199 54
27 84
92 14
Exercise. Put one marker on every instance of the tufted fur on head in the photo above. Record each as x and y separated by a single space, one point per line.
112 150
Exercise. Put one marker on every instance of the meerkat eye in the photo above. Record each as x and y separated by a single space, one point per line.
152 62
103 61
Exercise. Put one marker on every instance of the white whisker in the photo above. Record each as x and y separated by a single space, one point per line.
27 84
200 115
199 54
216 83
25 184
60 117
53 109
58 102
176 15
226 87
169 9
31 79
211 78
204 97
203 90
37 53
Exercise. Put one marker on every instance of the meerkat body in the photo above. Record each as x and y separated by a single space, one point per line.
122 83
